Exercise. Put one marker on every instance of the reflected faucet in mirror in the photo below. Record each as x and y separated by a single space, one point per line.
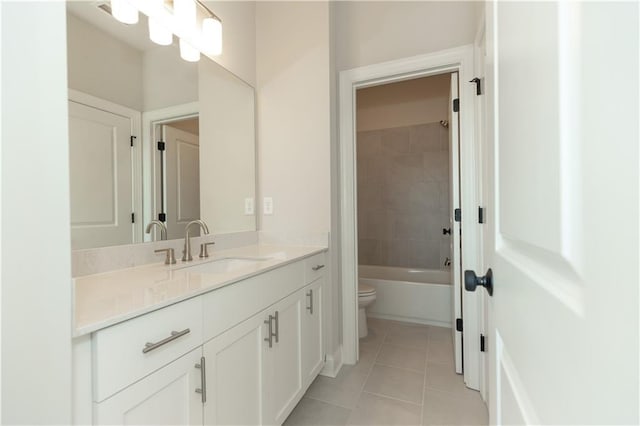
162 226
186 253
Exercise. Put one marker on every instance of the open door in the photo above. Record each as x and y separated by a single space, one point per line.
454 200
562 82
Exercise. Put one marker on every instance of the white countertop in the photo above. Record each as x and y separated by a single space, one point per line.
105 299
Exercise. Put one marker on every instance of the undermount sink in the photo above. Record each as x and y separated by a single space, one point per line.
228 264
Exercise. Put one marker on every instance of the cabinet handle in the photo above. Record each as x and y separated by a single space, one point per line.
203 380
270 332
148 347
310 296
277 327
317 267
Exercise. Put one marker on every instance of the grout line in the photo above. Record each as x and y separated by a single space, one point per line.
424 382
411 370
327 402
381 395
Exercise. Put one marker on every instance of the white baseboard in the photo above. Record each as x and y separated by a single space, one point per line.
409 319
333 363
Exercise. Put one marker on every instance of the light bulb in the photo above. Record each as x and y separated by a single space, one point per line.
158 33
212 36
185 13
188 52
124 11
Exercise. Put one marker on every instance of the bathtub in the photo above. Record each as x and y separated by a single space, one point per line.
409 294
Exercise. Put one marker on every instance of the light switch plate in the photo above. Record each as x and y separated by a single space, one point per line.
268 205
248 206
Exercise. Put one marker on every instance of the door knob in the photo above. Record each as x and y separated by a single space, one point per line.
446 231
471 281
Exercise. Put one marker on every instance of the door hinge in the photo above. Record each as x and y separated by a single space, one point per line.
131 139
457 215
162 217
478 83
480 215
458 324
482 349
133 218
161 146
456 105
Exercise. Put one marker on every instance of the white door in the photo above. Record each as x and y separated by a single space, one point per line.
100 175
312 336
454 226
182 153
166 397
563 118
235 366
284 387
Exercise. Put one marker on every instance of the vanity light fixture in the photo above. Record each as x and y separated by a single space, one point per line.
124 11
195 25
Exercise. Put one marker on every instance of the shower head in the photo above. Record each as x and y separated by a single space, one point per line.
444 123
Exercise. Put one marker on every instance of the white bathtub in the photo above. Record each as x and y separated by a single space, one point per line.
409 294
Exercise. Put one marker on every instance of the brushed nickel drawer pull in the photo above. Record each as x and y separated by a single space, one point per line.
148 347
310 296
203 379
317 267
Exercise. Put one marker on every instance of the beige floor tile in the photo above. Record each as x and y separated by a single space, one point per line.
407 335
440 333
368 353
397 383
443 377
344 390
375 337
441 408
403 357
377 410
313 412
440 351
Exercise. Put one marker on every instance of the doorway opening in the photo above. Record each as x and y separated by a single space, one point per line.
408 190
456 62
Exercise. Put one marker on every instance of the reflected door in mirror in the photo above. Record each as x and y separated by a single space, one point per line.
182 180
100 177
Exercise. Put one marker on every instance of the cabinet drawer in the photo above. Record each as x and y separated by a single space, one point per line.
314 267
163 335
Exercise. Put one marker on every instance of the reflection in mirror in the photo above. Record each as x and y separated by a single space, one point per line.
127 98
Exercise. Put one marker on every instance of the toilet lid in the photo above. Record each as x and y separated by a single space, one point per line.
365 289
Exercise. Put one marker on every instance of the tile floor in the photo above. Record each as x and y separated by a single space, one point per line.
405 376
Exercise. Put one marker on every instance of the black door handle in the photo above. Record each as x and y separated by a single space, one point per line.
471 281
446 231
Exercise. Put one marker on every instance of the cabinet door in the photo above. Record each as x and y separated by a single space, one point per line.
284 388
167 396
235 366
312 335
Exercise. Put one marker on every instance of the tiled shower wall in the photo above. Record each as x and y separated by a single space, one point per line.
403 196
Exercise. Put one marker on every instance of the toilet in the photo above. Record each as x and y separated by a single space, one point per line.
366 296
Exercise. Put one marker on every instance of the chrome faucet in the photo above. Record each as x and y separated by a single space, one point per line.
162 226
186 253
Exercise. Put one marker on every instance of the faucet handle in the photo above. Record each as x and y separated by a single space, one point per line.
203 249
170 258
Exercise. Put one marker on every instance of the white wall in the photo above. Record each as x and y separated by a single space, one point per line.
227 150
373 32
36 301
293 103
238 37
167 80
103 66
406 103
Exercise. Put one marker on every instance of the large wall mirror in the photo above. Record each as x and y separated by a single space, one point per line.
152 137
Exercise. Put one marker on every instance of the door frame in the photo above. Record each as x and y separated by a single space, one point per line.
459 59
150 119
136 151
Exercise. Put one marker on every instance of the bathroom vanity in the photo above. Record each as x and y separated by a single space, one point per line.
233 339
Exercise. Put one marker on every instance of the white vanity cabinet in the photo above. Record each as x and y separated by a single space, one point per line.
166 396
252 349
